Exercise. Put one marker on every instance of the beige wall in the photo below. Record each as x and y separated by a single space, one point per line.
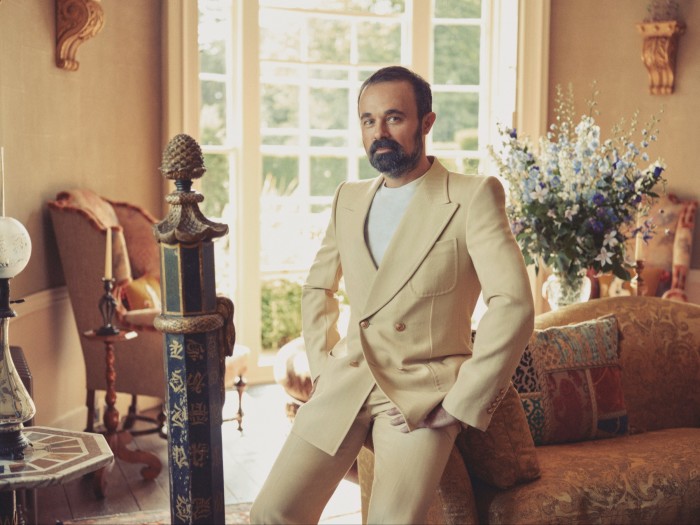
598 40
98 127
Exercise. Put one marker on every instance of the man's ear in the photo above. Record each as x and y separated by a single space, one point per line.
428 121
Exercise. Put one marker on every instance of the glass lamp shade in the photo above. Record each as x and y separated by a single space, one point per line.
15 247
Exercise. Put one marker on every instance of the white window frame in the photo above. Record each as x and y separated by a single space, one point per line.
518 96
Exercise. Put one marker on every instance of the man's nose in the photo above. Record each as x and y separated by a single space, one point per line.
380 130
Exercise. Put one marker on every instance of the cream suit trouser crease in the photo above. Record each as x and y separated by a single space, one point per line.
407 470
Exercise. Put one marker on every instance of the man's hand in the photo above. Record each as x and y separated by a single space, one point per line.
437 418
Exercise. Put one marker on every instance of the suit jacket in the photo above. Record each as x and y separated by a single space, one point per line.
410 319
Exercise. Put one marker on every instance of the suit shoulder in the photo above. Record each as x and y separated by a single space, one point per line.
468 185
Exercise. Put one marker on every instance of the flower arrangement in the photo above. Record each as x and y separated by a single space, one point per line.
574 202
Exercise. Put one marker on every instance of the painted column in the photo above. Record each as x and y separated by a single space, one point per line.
198 334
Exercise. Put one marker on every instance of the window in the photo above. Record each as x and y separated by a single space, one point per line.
279 81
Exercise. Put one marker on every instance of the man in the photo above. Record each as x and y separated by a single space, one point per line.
415 246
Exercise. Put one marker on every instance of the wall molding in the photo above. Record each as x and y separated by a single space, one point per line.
41 301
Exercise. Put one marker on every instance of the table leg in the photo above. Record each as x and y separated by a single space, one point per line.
118 441
8 508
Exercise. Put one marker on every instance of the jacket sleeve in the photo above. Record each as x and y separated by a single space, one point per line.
319 304
504 330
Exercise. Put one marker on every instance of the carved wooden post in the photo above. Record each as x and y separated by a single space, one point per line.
198 333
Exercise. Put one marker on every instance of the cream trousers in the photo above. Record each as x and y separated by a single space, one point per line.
407 470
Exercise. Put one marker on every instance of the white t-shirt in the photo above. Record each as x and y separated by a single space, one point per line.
385 213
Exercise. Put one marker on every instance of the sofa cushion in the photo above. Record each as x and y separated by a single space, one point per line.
644 478
505 454
570 383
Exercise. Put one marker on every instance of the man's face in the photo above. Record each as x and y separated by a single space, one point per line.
391 132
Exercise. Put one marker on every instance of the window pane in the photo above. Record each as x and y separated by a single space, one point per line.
280 105
457 123
280 175
326 174
456 55
329 40
213 57
461 165
379 43
324 73
215 25
280 35
332 142
212 117
215 184
280 140
365 169
328 108
458 9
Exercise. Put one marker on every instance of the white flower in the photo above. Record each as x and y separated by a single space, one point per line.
604 257
570 212
539 193
610 239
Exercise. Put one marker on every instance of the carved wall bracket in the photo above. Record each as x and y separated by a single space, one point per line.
659 53
76 22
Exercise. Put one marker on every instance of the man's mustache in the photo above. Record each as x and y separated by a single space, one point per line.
384 143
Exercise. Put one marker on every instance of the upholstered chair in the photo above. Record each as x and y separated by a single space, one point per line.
80 220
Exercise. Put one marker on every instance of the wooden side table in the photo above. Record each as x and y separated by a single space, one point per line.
118 440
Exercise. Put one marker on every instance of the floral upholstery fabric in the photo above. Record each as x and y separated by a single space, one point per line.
505 454
137 223
647 478
569 381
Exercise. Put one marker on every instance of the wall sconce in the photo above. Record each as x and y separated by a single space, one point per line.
659 53
76 22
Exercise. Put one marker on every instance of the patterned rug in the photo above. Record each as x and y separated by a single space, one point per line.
235 514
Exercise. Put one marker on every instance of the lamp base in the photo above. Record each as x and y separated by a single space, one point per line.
13 442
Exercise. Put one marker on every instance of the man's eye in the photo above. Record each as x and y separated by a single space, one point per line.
367 123
393 120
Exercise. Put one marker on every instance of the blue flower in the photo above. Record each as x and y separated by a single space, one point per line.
598 199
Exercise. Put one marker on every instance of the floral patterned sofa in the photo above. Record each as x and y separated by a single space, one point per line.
633 458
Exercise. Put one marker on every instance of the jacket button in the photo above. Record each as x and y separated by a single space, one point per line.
354 364
400 327
364 324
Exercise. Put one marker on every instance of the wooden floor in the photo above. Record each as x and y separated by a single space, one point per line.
248 457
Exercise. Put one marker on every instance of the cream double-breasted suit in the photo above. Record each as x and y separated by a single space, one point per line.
409 331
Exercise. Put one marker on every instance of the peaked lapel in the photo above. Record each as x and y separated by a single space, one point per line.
426 217
355 204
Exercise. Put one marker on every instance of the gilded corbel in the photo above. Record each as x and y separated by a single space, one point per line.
76 22
659 53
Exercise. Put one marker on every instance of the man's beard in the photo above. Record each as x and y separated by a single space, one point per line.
396 162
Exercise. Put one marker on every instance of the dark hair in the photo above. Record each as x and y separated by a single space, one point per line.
421 89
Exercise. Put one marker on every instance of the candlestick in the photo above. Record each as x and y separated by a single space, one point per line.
108 254
107 306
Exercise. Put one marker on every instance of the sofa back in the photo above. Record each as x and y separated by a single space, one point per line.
659 353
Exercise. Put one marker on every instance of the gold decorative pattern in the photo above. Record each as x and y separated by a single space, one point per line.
659 54
76 22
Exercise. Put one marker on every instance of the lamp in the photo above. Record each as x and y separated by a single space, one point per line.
16 405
